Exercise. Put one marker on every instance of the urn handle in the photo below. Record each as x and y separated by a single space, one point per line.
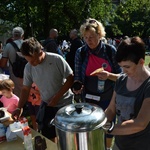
109 126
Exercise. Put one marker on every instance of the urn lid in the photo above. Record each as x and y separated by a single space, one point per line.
79 117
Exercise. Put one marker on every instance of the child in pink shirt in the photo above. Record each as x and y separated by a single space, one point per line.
8 99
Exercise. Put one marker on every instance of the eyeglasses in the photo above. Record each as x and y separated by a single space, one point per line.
93 23
89 24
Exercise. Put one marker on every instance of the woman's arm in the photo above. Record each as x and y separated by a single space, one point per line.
135 125
104 75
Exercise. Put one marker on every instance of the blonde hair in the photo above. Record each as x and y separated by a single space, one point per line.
7 84
93 25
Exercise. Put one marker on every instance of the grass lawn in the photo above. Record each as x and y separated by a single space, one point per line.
147 60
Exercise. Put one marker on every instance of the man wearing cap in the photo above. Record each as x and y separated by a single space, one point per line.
9 55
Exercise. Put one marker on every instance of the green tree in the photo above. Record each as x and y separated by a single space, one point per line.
37 17
133 17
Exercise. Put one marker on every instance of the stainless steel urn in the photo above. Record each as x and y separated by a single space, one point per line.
79 127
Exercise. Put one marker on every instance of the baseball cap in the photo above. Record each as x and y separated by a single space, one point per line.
18 30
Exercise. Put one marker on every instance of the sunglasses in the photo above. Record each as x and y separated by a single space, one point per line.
92 21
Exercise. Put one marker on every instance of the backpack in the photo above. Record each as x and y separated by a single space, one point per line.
107 50
19 64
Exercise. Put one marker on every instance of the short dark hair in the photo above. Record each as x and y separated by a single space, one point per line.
30 46
132 49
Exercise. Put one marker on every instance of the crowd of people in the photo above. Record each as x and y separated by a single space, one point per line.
121 88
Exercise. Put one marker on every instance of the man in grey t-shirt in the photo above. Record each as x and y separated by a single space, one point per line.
53 76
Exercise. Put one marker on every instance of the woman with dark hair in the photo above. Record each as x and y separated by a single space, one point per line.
131 98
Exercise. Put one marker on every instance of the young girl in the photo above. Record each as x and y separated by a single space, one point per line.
9 100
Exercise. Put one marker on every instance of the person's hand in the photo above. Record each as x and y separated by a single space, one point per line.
103 75
16 114
77 91
77 87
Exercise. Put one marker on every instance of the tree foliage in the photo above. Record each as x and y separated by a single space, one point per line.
131 17
37 17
